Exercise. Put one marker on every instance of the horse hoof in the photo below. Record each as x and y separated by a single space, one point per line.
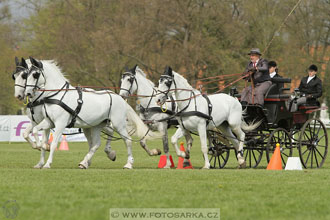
187 156
46 167
155 152
46 147
82 167
112 155
128 166
206 167
242 165
38 166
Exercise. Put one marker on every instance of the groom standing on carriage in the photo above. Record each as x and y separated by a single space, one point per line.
259 77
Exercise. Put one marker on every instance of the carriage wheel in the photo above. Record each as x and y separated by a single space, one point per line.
253 153
313 143
281 136
218 150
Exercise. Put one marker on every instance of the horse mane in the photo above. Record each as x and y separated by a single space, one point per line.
140 71
183 80
54 65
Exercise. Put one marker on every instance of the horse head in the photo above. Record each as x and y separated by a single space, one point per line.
166 85
36 78
20 75
128 83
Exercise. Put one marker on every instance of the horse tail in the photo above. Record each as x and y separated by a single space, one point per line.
140 129
251 126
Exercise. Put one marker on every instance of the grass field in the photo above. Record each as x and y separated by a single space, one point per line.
65 192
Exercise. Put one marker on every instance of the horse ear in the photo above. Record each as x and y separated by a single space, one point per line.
36 63
24 64
16 61
168 71
134 69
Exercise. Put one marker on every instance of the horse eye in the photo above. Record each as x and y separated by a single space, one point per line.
36 75
24 75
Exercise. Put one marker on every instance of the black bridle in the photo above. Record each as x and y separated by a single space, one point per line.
131 79
24 74
168 83
36 76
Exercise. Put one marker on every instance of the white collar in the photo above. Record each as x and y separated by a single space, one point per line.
272 74
310 78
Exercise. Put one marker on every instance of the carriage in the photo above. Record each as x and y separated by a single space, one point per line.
299 130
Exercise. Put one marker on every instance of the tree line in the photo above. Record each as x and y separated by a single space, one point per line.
93 40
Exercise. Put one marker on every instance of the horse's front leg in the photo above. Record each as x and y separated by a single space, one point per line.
203 138
26 135
42 155
174 140
162 128
43 125
59 128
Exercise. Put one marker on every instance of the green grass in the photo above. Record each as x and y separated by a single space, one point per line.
65 192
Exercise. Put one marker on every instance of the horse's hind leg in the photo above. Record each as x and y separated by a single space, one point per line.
203 138
87 133
96 142
108 151
240 136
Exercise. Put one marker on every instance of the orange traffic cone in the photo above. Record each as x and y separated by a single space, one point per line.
50 138
275 162
180 162
162 161
64 144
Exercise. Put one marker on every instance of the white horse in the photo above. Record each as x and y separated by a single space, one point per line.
135 81
79 108
33 112
194 114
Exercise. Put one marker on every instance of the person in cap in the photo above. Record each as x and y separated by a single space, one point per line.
259 75
273 70
310 89
273 73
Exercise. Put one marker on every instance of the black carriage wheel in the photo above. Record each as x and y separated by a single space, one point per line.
313 143
282 137
253 154
219 151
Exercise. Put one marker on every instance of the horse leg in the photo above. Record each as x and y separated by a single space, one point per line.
59 128
174 140
121 129
162 127
96 142
26 134
203 138
189 141
42 155
43 125
110 153
45 137
87 133
241 136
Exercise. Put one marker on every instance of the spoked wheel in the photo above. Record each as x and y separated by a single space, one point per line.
218 150
282 137
253 149
313 143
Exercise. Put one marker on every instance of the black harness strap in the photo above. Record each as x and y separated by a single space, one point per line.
72 112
